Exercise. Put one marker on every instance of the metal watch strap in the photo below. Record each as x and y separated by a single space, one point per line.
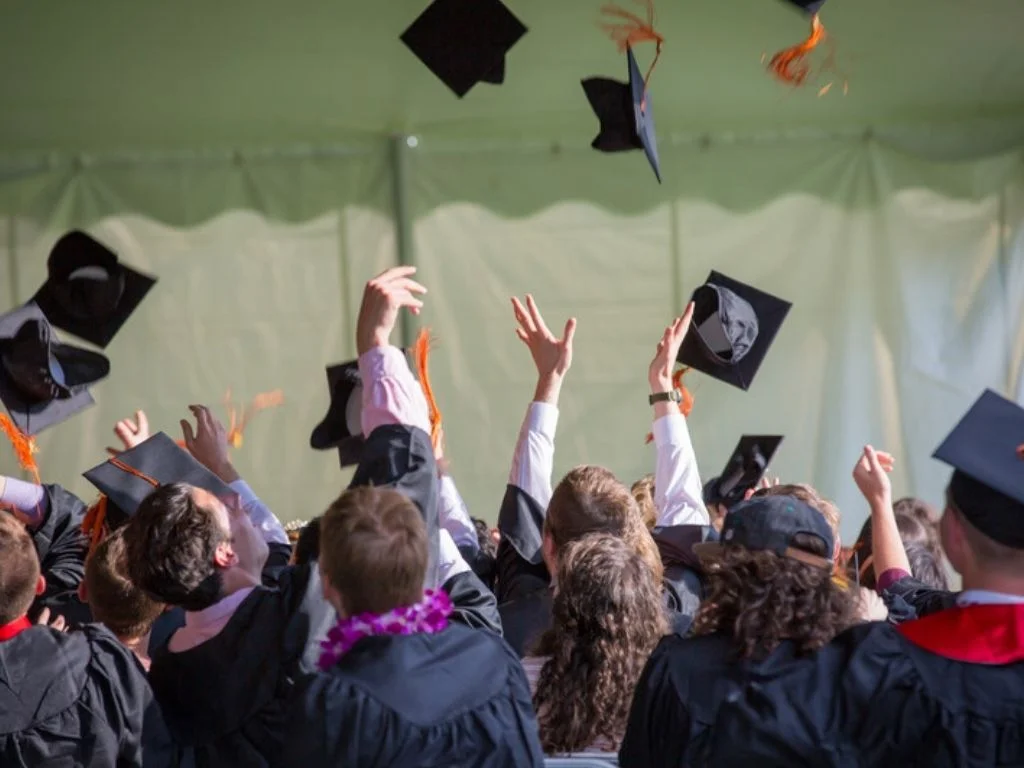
671 396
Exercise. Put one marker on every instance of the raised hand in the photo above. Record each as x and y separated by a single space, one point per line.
871 473
131 432
208 443
58 623
383 297
659 374
552 356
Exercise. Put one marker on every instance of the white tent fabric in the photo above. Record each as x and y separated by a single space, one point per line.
908 302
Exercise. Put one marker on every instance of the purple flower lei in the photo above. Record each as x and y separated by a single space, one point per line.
428 616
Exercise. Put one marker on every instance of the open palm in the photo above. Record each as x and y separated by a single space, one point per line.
550 354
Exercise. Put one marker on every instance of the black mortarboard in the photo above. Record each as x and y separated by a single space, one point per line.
88 292
43 381
464 42
808 6
342 427
733 327
626 114
128 478
987 451
744 469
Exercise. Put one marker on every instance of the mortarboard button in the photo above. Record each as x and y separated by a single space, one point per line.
89 293
733 327
988 484
464 42
128 478
625 113
43 381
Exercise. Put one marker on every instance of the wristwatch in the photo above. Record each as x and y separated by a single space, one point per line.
672 396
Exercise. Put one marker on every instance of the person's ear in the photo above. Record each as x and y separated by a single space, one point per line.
547 548
224 556
40 585
83 593
331 595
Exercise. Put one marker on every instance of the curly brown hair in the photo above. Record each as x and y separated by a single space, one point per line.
643 492
760 598
608 616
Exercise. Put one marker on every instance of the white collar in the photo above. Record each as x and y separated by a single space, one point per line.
218 611
986 597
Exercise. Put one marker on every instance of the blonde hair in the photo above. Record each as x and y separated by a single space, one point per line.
643 492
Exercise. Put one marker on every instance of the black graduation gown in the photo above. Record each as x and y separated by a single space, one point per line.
455 698
523 582
225 700
61 547
76 699
877 695
922 599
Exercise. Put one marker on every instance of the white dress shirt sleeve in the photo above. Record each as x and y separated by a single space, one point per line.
450 561
260 515
454 515
533 462
677 486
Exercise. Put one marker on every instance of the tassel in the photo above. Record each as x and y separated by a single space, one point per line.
24 447
685 405
236 425
421 353
632 30
790 65
94 524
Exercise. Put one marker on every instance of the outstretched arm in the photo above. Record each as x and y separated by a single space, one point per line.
677 485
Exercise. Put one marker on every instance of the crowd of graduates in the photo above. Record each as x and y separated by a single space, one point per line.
670 621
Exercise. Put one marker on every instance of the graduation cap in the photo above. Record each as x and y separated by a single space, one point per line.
89 293
342 427
128 478
43 381
744 470
810 7
733 326
464 42
986 450
626 114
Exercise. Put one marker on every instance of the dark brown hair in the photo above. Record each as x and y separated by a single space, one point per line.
114 600
373 550
19 569
607 617
171 542
760 599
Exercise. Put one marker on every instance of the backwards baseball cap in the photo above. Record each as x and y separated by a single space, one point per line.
770 523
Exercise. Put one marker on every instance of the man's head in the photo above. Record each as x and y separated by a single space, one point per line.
589 499
187 548
373 551
977 556
113 599
20 577
643 492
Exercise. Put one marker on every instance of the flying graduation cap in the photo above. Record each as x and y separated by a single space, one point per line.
88 292
733 327
625 110
744 470
464 42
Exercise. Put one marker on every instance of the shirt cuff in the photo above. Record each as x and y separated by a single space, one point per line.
890 577
381 362
450 560
670 429
25 497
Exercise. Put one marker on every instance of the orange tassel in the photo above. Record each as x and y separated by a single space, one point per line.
237 425
24 447
685 405
421 353
632 30
790 65
95 522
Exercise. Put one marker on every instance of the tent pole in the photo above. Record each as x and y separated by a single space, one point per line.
400 146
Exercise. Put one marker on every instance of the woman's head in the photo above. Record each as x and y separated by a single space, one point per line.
607 617
771 580
919 533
